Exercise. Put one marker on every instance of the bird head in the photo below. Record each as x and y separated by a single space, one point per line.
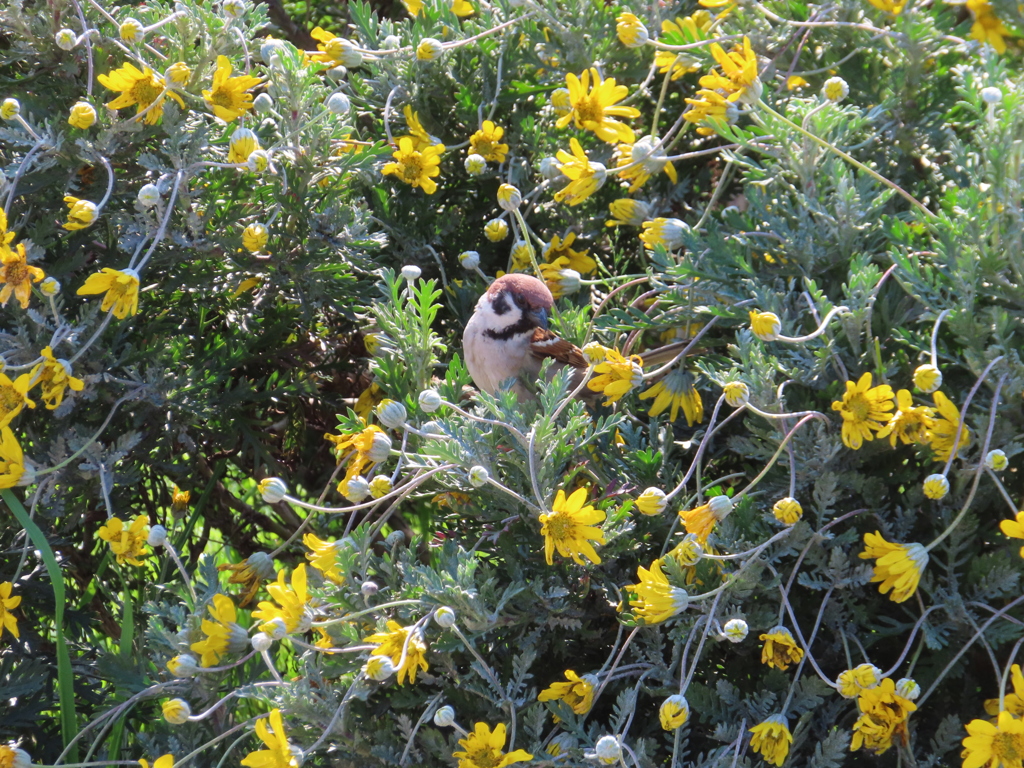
521 300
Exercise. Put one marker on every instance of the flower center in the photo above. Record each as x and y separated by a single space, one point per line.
16 273
484 757
412 167
10 399
589 109
560 524
484 147
1007 748
145 91
222 98
859 407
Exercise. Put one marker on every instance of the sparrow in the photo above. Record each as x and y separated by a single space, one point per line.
508 338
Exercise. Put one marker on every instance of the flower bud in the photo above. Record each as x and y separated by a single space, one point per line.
936 487
633 34
674 711
82 116
429 49
478 476
10 109
410 272
131 30
595 352
444 617
391 42
356 489
261 642
262 563
550 168
496 230
469 259
475 164
178 73
652 501
157 536
379 668
927 378
381 485
736 393
368 588
263 104
66 39
149 195
21 758
687 552
394 539
835 89
991 95
996 460
380 448
49 287
720 507
561 744
429 399
564 282
392 414
234 9
255 237
735 630
509 198
608 750
765 325
243 143
908 688
626 211
276 629
666 232
431 428
273 489
176 711
271 47
787 511
338 104
344 51
561 101
183 665
444 717
258 161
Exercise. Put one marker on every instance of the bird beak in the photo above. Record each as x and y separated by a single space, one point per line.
540 317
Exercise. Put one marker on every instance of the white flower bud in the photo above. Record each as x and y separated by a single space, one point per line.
550 168
652 501
176 711
338 104
936 487
991 95
996 460
234 9
391 42
273 489
908 688
379 668
720 507
269 48
835 89
261 642
444 717
410 272
49 287
380 486
258 161
276 629
157 536
736 393
263 104
475 164
22 759
735 630
368 588
431 428
478 476
380 448
66 39
429 400
357 489
337 74
183 665
444 617
429 49
263 564
392 414
608 750
394 539
509 197
131 30
10 109
149 195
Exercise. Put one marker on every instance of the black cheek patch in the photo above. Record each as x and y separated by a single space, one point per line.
500 305
525 325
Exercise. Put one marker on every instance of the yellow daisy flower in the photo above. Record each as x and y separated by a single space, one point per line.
54 376
128 543
413 6
700 521
223 635
593 108
8 604
943 431
139 88
392 643
120 289
414 167
14 397
780 648
626 211
278 753
487 141
420 138
560 248
483 749
994 746
884 715
864 408
12 460
641 160
852 682
323 556
617 376
164 761
17 274
227 97
570 527
987 27
772 739
739 68
711 104
1014 528
898 566
691 29
676 390
910 423
1012 702
578 692
654 599
895 7
586 177
291 602
81 213
462 8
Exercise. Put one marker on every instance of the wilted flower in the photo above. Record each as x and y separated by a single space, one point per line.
780 648
653 599
772 739
863 677
942 433
675 391
7 604
578 692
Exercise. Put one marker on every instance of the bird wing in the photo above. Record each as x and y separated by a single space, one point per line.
546 344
